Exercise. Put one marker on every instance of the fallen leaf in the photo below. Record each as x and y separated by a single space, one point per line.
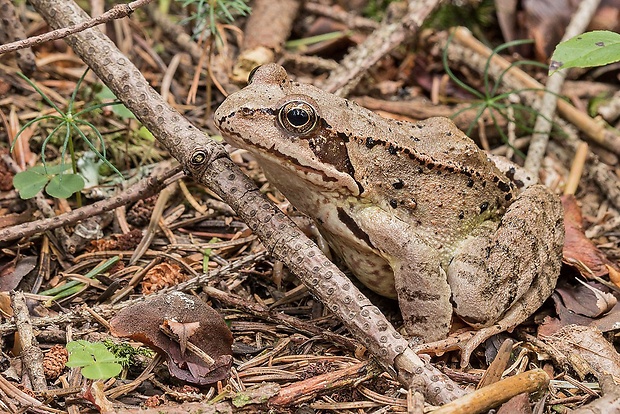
587 347
579 251
143 321
183 331
12 273
585 306
586 300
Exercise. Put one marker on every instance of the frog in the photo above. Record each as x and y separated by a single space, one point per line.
416 210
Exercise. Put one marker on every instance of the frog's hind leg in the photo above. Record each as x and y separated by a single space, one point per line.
501 277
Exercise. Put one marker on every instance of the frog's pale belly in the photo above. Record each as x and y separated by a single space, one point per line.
371 268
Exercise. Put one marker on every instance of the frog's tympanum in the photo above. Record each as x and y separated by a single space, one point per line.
416 210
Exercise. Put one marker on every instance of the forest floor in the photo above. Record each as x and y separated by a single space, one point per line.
103 267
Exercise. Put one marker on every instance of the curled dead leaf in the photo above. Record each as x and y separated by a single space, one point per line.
192 335
579 251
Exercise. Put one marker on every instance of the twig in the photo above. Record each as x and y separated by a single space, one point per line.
21 397
279 317
308 389
499 364
491 396
352 21
107 311
32 356
609 403
158 211
540 137
117 12
267 29
144 188
11 29
377 45
576 168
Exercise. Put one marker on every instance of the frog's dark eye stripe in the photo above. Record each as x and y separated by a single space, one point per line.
298 117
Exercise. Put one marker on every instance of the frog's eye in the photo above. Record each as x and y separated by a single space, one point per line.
298 117
252 72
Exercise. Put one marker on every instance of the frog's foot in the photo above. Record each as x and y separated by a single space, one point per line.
465 342
453 343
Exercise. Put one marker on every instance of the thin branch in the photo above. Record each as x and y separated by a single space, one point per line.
117 12
538 145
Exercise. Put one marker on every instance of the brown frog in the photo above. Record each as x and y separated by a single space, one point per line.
416 210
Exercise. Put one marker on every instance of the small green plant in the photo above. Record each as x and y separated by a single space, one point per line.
125 353
54 179
597 48
490 100
95 359
207 13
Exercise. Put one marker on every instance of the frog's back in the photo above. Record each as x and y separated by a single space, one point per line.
428 173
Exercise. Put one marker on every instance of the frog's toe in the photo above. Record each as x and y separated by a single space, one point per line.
468 348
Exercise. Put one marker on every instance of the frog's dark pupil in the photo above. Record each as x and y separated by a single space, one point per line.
297 117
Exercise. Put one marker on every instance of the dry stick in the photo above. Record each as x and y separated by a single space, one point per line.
608 403
516 79
377 45
117 12
498 366
20 396
140 190
210 165
576 168
32 356
280 317
308 389
540 137
158 211
493 395
352 21
174 32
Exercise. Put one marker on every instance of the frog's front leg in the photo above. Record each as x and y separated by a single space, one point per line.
502 273
421 286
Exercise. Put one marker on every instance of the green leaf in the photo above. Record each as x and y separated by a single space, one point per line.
28 183
120 110
76 345
64 185
145 134
102 370
51 169
595 48
80 358
104 356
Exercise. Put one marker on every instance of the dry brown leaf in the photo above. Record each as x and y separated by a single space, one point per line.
579 251
13 272
142 322
183 331
21 147
586 344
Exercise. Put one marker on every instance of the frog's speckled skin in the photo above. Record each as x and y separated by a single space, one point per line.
416 210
